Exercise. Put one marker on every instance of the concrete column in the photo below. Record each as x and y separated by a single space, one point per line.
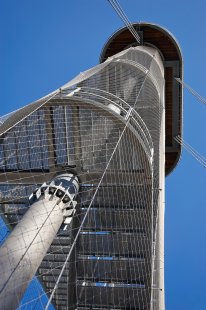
24 249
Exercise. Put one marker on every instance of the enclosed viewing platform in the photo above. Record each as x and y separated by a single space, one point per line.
155 36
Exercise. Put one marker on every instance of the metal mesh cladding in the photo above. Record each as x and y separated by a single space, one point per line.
107 125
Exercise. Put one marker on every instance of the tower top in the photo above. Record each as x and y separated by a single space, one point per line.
169 49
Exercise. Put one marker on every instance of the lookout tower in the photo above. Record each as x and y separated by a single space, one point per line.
83 178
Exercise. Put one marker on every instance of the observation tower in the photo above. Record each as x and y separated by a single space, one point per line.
82 179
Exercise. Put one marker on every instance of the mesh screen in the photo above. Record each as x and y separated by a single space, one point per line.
107 125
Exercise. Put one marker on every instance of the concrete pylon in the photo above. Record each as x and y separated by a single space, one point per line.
24 249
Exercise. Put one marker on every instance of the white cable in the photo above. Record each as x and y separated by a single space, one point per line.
201 159
192 91
122 15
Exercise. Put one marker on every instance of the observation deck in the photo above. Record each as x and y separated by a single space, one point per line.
155 36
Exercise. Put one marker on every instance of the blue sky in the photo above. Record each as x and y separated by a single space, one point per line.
46 43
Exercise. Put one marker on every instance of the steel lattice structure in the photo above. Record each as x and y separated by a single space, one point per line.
108 130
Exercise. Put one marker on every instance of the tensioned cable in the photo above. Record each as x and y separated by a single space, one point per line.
122 15
192 91
201 159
